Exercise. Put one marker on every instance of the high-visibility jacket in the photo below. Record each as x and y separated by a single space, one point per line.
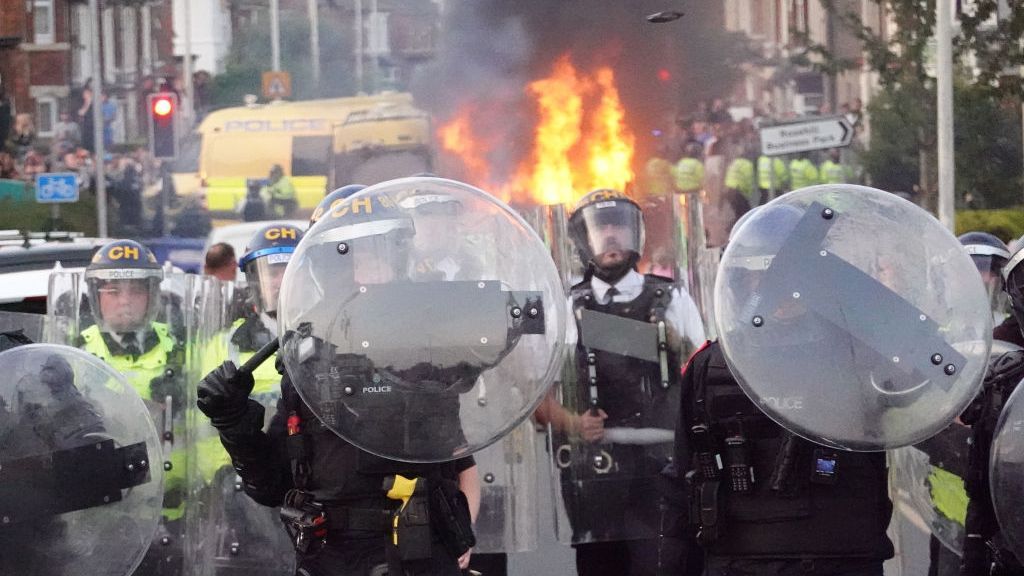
802 173
740 176
689 175
765 164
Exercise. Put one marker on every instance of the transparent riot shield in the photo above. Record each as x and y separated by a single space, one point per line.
852 317
507 521
1006 472
405 299
228 532
80 481
157 355
929 477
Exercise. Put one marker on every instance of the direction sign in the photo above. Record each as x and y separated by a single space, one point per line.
820 133
56 187
277 85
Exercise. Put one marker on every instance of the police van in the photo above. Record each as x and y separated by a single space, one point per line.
320 144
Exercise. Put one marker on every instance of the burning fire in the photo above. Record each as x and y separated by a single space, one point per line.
580 141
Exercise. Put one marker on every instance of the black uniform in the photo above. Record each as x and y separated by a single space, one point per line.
625 499
344 481
985 553
1009 331
776 503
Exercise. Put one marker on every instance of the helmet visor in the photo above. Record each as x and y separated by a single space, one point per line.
606 231
263 276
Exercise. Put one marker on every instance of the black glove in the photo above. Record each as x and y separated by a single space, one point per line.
223 395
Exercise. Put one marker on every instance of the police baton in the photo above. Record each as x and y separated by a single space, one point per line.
261 355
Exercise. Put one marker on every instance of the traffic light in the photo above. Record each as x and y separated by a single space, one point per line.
163 124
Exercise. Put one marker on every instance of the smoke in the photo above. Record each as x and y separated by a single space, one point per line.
491 49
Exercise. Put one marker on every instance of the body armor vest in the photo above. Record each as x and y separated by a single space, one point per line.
629 390
792 507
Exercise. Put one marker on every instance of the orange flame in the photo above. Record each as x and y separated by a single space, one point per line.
581 141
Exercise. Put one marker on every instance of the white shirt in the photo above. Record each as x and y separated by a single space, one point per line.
681 315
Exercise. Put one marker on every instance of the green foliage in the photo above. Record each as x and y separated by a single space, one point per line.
1007 224
250 56
987 143
28 215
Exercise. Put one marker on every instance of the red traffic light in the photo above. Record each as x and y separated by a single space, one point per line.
162 106
664 75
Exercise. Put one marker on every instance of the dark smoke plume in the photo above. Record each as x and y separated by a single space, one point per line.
491 49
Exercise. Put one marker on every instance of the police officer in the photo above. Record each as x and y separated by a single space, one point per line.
772 177
833 171
123 283
984 551
689 170
764 501
300 463
257 544
279 193
948 451
77 494
990 255
610 483
802 172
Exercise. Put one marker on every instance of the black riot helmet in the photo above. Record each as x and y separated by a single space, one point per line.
607 228
266 256
1013 283
332 200
123 282
989 255
364 240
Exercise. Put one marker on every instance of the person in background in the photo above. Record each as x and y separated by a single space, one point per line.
221 262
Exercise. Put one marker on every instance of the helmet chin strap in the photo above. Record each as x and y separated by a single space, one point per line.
615 273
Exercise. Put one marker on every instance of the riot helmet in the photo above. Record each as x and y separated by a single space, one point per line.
989 255
266 257
123 283
1013 283
332 200
438 234
607 228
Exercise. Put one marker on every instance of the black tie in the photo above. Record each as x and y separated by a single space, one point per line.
130 343
611 293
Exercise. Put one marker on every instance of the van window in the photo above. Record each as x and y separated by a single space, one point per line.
310 155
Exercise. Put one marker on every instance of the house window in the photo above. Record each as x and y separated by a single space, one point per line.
46 115
43 21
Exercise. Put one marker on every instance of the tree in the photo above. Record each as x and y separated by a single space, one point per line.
901 154
250 56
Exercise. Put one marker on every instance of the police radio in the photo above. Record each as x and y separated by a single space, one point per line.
737 459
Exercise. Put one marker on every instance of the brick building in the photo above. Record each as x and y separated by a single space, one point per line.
45 56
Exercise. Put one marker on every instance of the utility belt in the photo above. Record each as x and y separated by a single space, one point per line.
424 512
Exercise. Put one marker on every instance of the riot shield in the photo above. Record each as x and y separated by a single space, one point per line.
79 493
158 358
403 301
1006 472
228 532
929 477
852 317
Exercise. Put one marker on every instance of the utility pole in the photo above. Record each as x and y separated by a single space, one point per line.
189 105
359 44
314 41
97 119
944 79
275 37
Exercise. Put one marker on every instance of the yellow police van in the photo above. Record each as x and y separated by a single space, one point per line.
320 144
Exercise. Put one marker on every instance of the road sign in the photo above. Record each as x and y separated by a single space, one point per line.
56 187
277 85
804 135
